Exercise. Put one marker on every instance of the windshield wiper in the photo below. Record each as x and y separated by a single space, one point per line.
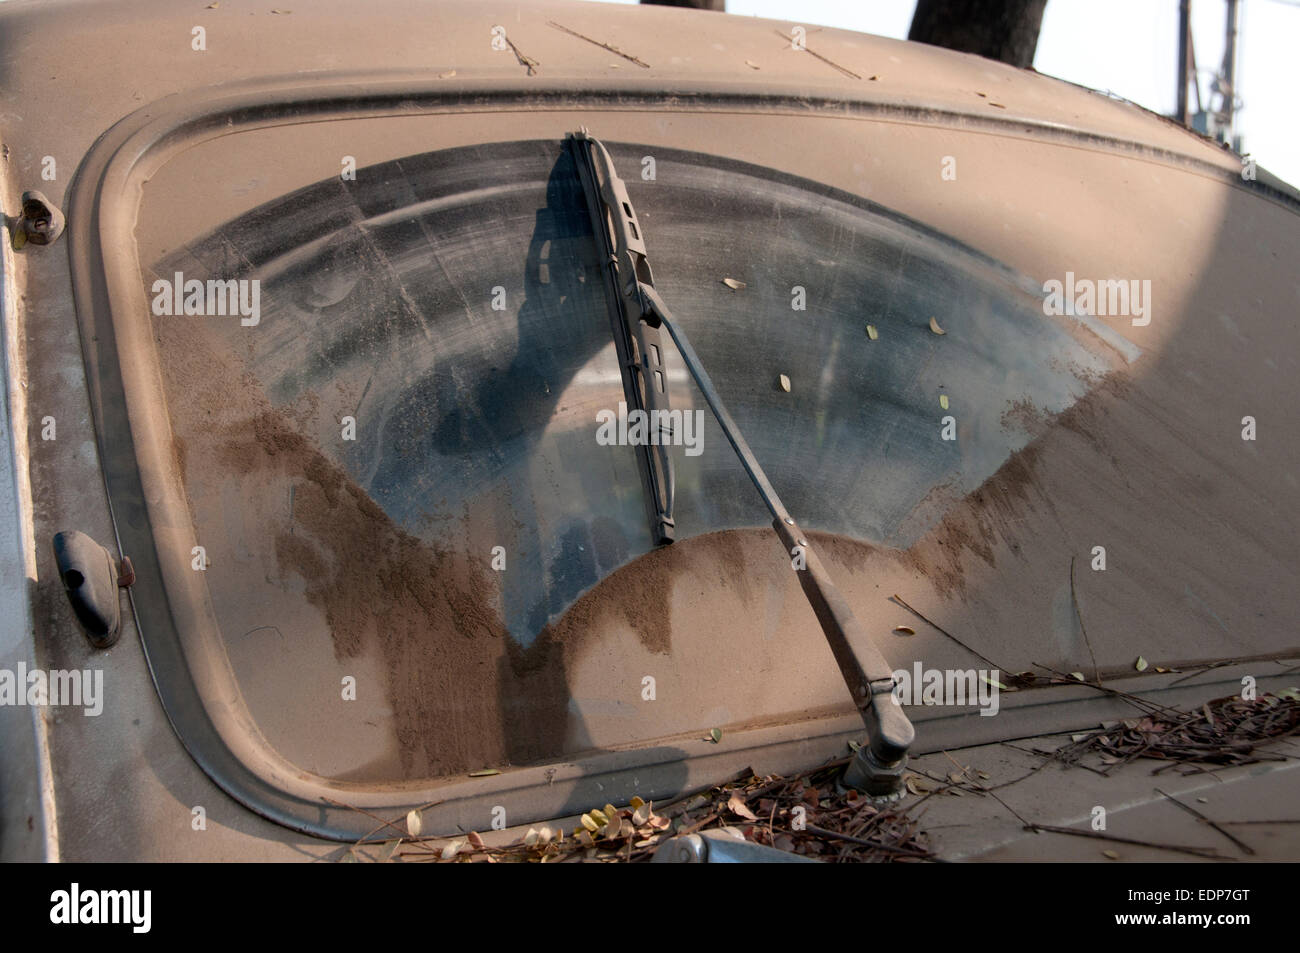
637 341
877 768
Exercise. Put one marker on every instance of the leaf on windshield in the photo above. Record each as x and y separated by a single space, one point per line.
733 283
934 326
872 333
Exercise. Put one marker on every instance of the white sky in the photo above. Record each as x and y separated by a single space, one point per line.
1130 47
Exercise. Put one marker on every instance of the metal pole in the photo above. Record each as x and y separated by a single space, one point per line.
1184 57
1229 74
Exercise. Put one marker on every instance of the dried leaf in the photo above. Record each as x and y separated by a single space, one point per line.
475 841
642 814
919 784
715 735
214 4
733 283
1078 676
1112 854
414 823
387 850
943 401
904 630
635 802
934 326
1140 664
448 74
282 12
485 773
736 805
599 816
872 333
994 683
751 64
784 382
589 823
452 849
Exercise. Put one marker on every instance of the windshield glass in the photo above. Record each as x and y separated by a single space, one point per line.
390 447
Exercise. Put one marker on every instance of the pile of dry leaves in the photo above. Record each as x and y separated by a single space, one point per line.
805 814
1224 731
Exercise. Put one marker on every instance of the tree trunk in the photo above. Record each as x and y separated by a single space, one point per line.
1004 30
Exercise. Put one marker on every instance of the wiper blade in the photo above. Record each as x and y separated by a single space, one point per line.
637 342
877 768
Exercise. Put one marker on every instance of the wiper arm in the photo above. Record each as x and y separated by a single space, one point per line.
637 342
877 768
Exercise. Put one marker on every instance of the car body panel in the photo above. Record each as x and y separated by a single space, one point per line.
1048 176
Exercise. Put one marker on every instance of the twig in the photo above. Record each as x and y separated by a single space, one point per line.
524 59
1285 820
831 63
1096 672
613 49
383 823
1208 852
836 835
1246 848
899 599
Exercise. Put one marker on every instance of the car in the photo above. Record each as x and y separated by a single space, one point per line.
329 507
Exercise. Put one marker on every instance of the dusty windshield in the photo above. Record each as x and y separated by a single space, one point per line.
389 442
